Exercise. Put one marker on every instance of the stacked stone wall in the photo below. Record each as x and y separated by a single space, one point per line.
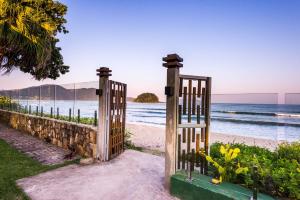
67 135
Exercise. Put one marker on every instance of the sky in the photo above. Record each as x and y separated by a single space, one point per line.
246 46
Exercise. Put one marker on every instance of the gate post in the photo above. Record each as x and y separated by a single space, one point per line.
172 63
103 92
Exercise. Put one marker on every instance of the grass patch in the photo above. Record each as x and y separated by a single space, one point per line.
15 165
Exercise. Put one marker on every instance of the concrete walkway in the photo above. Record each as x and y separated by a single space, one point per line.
39 150
132 175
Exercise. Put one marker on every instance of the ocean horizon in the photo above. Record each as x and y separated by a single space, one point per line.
267 121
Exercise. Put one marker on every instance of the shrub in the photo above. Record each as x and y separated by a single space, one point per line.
278 171
227 166
7 102
289 151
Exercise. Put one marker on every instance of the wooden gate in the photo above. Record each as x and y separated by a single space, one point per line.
193 122
187 119
112 116
117 117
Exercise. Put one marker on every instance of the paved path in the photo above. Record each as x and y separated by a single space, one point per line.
33 147
132 175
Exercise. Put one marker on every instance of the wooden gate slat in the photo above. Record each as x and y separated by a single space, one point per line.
189 100
189 140
199 89
194 101
184 135
179 151
184 100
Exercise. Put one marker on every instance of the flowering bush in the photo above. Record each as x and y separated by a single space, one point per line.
278 171
228 165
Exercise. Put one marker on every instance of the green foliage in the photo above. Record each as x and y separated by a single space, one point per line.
5 100
28 30
8 103
147 98
15 165
289 151
228 166
278 171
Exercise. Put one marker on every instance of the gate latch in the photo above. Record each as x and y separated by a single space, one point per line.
169 91
99 92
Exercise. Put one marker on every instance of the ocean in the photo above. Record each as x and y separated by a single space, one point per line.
275 122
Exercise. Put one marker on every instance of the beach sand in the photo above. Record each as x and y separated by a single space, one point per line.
153 138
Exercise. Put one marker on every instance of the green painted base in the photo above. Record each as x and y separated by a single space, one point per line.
201 188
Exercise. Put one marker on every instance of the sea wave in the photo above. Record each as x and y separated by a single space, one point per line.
270 123
225 119
290 115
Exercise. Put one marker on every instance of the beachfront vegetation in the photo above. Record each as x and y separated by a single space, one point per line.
28 41
230 166
15 165
278 171
5 100
147 98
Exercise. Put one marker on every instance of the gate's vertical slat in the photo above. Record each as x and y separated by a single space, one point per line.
194 101
120 119
197 150
203 101
117 120
183 159
179 151
111 130
189 100
179 113
199 89
201 163
198 114
180 87
184 135
202 134
189 141
207 117
193 134
124 112
192 159
184 100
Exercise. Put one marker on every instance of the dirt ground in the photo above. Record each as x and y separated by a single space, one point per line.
132 175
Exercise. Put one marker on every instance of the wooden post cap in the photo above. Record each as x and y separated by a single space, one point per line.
172 61
103 72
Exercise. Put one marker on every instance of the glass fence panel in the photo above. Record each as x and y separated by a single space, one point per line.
246 98
86 102
292 98
65 101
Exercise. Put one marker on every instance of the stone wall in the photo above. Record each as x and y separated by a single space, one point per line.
60 133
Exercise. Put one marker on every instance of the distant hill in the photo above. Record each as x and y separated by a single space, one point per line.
51 92
147 98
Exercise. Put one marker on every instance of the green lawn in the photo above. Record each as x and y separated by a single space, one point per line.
15 165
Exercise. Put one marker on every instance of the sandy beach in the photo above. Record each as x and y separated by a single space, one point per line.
153 138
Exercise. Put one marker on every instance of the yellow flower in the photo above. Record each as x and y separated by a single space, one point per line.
222 149
209 159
